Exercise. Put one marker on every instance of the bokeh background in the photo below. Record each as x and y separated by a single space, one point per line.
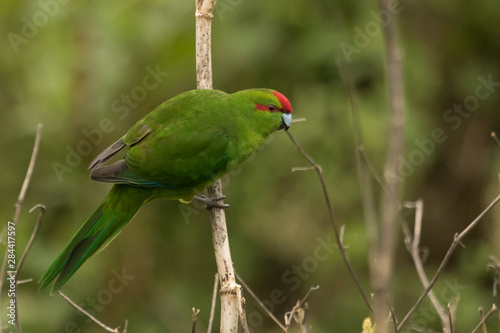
85 70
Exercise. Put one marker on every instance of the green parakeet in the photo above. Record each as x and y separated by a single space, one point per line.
173 152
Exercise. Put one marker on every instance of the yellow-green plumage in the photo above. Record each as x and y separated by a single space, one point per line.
173 152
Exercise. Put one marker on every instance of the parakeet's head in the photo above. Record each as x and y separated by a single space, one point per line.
275 101
273 108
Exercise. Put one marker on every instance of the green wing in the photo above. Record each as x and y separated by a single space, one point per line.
181 145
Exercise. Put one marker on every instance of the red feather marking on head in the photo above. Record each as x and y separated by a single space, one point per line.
261 107
285 104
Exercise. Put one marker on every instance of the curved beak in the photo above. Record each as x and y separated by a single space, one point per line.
286 120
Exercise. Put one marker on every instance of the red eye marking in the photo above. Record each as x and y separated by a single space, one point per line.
269 107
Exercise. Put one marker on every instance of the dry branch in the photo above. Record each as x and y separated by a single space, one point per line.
483 320
389 211
17 213
38 223
413 246
194 320
228 292
298 312
333 222
456 240
242 308
94 319
261 304
214 302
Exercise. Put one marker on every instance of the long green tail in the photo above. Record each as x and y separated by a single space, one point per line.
105 223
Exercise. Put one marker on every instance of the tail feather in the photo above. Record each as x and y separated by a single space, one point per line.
105 223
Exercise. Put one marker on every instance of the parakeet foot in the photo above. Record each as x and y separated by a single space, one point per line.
211 202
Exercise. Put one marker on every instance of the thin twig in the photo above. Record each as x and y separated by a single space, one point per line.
302 168
250 291
31 168
498 318
18 282
94 319
495 137
41 213
393 315
298 313
193 325
495 264
481 315
413 246
17 213
450 318
214 302
498 181
307 294
242 310
497 140
444 262
341 247
481 323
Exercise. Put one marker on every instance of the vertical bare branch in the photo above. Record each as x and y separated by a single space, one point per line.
228 293
19 205
390 212
204 15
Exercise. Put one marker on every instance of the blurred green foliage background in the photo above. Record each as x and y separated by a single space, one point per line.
84 69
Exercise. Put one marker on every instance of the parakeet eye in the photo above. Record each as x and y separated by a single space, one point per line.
271 107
